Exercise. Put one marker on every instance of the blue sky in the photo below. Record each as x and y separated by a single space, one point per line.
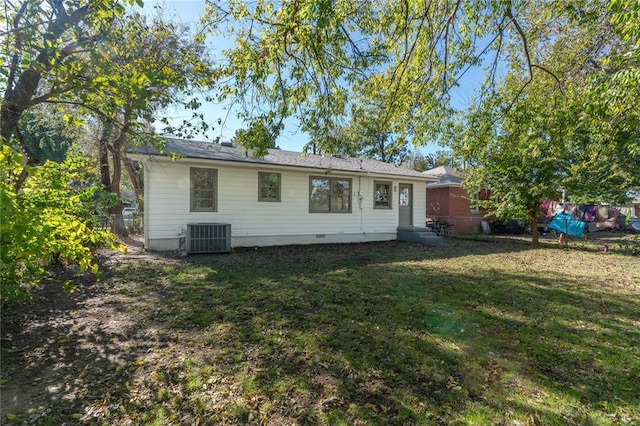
188 11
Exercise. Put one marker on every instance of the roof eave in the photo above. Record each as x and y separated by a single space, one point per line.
257 162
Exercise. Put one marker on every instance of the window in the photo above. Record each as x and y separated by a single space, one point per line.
329 195
204 191
268 186
381 195
475 206
405 196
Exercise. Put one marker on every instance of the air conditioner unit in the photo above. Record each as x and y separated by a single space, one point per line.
208 238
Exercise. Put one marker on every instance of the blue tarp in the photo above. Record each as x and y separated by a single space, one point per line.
564 222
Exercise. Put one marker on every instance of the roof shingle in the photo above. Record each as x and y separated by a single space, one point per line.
215 151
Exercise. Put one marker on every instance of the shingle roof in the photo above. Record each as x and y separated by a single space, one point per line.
444 174
220 152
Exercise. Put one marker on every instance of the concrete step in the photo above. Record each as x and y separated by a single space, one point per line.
416 234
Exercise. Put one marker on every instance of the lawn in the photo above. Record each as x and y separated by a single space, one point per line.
463 332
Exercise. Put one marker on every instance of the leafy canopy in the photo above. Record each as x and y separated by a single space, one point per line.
44 41
47 134
144 65
564 116
319 60
53 218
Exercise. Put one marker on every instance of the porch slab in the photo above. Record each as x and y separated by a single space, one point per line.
416 234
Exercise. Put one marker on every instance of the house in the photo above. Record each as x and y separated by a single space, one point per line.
447 200
197 190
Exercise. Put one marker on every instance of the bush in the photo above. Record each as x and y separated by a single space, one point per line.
52 217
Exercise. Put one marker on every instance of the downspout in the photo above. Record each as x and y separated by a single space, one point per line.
360 199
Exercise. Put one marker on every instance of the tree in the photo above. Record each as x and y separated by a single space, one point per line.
364 138
421 162
545 128
380 146
314 59
44 218
370 133
260 135
522 162
145 65
613 102
72 53
45 132
42 40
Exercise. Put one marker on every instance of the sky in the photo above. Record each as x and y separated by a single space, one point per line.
291 138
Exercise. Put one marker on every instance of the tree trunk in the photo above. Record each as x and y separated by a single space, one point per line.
383 154
116 161
21 89
29 160
133 168
103 157
119 227
533 219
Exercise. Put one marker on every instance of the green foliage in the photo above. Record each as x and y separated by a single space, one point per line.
626 18
389 63
44 42
523 158
366 136
364 77
612 104
564 116
51 219
421 162
143 65
46 133
122 68
261 135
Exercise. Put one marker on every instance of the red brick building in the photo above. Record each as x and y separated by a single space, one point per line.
448 201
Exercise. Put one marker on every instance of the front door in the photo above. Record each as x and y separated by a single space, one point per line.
405 204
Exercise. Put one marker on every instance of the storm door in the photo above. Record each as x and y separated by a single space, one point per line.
405 204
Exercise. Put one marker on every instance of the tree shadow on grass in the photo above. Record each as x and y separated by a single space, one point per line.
573 342
374 335
64 351
353 338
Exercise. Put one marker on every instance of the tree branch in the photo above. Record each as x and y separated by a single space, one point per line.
530 65
18 97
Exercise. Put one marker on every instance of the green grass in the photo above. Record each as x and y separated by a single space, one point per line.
467 333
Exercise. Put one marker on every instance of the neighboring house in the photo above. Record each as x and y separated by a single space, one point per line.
447 200
283 198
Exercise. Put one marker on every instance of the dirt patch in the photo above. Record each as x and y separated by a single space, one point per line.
60 350
59 346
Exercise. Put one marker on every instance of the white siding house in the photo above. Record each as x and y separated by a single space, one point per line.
282 198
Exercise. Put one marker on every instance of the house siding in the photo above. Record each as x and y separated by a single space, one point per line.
255 223
451 203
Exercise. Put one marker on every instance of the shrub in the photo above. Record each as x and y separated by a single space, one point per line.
52 217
